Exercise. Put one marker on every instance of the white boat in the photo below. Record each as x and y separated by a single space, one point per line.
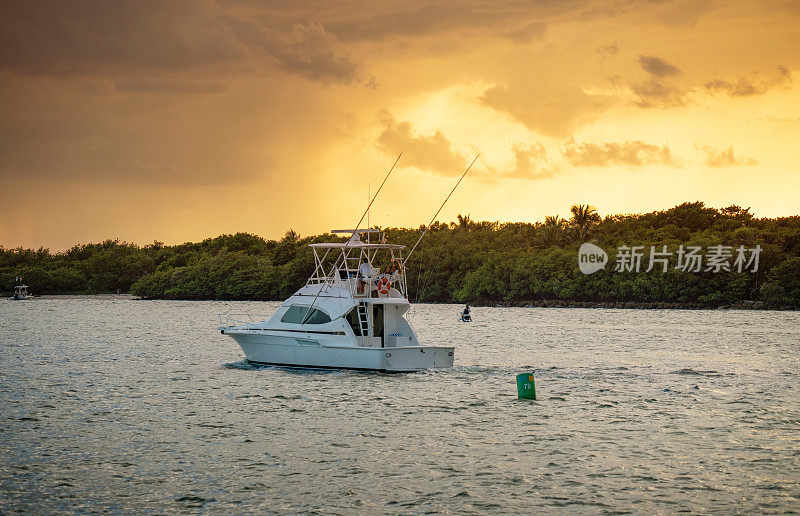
347 316
21 293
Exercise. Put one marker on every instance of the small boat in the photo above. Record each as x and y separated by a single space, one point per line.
347 316
21 293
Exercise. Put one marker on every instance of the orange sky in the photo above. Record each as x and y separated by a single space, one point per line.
176 121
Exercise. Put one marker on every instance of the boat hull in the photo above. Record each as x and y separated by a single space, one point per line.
308 352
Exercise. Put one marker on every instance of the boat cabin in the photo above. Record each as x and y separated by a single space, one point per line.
370 276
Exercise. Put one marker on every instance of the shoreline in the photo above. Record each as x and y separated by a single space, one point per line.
88 296
546 303
639 305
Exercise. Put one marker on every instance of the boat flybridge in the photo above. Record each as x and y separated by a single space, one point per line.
349 315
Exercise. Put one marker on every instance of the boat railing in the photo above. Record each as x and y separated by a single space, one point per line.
352 280
229 320
340 266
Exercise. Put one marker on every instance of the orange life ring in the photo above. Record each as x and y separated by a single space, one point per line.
384 285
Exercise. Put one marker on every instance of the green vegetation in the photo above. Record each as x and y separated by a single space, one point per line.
464 261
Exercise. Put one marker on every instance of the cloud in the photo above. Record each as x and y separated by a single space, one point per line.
530 162
87 36
94 37
680 12
168 87
786 73
724 157
741 87
655 93
550 109
608 50
747 87
314 53
528 33
657 67
159 132
631 153
433 153
520 23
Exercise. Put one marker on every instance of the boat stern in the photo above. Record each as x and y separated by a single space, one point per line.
418 358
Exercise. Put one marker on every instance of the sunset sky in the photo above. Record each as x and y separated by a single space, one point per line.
180 120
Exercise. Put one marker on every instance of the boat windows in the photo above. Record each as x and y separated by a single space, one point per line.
295 315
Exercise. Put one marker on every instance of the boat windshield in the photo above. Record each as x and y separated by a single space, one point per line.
295 315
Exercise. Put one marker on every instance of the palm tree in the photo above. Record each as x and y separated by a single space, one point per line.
552 233
464 222
291 236
584 216
553 220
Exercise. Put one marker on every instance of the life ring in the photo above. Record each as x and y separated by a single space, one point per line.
384 285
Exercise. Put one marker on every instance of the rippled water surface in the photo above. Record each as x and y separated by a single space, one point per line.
137 406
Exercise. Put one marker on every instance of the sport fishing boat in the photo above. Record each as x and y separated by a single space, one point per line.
349 315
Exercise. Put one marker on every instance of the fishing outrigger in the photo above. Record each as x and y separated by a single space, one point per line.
348 315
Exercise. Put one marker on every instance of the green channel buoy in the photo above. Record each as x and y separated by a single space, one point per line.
526 388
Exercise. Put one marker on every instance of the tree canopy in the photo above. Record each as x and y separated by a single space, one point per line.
463 261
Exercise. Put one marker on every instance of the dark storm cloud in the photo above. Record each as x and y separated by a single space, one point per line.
657 67
92 149
168 87
95 37
314 53
631 153
429 19
92 35
521 22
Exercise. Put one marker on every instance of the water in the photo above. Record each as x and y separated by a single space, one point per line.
139 406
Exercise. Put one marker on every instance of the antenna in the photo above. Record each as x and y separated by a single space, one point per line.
303 320
440 209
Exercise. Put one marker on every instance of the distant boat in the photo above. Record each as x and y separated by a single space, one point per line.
347 316
21 293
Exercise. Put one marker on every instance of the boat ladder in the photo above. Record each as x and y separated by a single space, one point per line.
363 319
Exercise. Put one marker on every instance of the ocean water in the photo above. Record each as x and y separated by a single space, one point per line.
143 407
